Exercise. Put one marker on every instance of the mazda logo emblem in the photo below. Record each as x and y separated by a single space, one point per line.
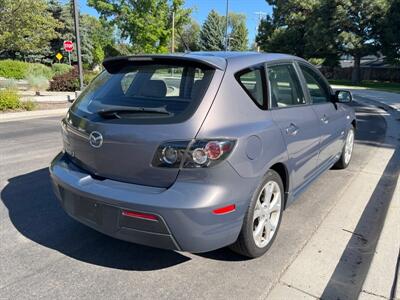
95 139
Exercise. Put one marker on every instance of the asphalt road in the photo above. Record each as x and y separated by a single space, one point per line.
45 254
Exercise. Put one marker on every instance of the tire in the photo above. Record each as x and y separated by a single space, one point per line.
249 243
347 153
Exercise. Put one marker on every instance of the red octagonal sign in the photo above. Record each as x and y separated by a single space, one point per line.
68 46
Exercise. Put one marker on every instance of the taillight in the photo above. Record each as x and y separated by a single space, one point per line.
194 154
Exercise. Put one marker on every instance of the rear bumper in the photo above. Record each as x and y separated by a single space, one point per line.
184 211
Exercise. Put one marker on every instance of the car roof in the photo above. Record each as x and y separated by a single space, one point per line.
215 59
241 60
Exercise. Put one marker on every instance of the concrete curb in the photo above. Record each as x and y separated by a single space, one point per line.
25 115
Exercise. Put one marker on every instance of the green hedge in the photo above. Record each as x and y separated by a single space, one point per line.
13 69
20 70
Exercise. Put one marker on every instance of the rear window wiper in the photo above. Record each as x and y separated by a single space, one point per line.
118 111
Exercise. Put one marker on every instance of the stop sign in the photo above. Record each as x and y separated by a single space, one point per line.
68 46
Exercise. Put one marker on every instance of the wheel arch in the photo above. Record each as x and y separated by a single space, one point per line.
354 123
283 172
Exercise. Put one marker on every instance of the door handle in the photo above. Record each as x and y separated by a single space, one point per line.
292 129
325 119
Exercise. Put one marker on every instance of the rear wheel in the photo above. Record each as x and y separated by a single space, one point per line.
347 151
262 219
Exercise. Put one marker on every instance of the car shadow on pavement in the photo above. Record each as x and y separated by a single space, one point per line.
36 213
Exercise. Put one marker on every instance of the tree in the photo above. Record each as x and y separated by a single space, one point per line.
147 24
26 27
238 36
289 26
324 29
189 38
390 35
358 33
265 30
212 33
95 34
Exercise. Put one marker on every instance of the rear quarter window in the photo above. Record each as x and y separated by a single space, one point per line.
252 80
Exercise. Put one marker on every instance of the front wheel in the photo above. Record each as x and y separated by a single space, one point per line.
262 219
347 151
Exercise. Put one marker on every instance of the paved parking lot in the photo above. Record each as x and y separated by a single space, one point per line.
45 254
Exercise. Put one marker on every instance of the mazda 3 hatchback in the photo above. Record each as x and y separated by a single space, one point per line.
199 151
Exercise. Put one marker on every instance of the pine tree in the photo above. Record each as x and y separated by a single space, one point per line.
238 36
213 32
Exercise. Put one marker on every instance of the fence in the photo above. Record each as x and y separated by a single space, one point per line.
379 74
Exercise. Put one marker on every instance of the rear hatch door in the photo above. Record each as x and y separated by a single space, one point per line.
115 127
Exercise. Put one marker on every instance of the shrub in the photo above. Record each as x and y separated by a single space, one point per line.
9 99
38 83
68 82
28 105
61 69
88 76
39 70
13 69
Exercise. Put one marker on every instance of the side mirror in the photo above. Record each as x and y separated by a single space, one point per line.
343 96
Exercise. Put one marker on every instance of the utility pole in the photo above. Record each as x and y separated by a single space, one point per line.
173 33
226 25
78 43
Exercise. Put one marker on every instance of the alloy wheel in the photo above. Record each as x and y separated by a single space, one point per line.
348 148
267 213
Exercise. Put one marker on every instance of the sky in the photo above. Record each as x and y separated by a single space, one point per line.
203 7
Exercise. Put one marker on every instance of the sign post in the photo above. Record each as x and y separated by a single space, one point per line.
78 43
69 47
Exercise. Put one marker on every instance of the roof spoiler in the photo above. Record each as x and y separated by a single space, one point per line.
115 64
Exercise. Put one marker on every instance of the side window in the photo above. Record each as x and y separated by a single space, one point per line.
251 81
319 92
285 86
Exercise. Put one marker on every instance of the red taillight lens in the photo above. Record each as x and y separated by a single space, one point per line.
139 215
206 153
214 150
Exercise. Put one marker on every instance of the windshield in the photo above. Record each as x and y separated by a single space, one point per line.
148 91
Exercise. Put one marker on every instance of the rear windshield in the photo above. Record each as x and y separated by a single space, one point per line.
144 93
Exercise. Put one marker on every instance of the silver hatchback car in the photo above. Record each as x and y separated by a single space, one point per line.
198 151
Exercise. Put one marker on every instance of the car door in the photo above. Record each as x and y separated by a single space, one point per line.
331 120
296 119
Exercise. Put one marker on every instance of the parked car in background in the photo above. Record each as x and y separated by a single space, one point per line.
199 151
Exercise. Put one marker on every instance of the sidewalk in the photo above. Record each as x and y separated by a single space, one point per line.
24 115
387 252
364 223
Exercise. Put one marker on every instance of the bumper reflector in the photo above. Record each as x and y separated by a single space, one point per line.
224 210
139 215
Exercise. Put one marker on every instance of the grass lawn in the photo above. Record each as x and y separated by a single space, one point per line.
393 87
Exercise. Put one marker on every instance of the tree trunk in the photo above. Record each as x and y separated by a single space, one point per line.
356 75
